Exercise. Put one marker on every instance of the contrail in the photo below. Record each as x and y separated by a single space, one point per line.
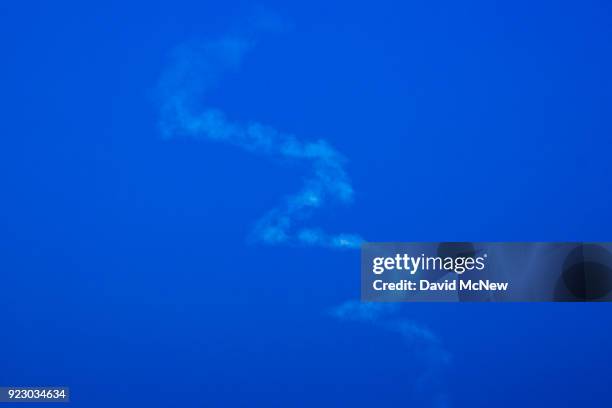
426 344
195 69
199 66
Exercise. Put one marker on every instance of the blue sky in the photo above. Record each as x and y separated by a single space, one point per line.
127 271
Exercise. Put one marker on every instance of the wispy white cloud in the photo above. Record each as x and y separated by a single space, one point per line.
363 312
196 67
423 342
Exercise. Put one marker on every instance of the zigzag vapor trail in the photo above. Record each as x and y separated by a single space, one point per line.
195 69
199 66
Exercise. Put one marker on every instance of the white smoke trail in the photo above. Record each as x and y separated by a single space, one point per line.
426 344
199 66
196 68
